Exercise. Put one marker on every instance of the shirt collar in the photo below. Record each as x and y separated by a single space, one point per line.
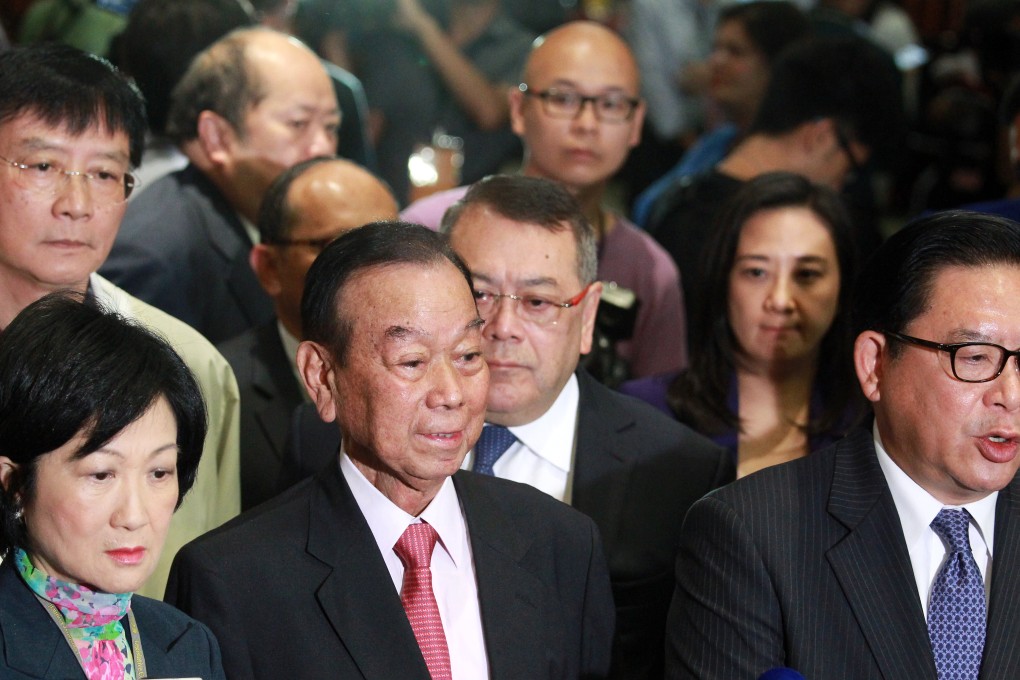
388 522
551 435
917 508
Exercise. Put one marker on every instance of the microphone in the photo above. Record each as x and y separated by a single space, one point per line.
781 674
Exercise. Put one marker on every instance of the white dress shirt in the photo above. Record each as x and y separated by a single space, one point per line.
543 454
453 569
917 508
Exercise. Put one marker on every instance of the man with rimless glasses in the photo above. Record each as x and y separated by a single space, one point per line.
71 130
579 113
895 552
532 257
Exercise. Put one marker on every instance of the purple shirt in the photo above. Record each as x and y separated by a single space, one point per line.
632 259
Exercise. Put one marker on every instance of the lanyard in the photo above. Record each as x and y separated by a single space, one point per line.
136 638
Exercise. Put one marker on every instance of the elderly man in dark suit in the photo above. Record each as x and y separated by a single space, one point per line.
306 207
387 564
250 106
633 470
874 558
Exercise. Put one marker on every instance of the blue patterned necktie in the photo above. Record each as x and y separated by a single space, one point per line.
493 443
956 610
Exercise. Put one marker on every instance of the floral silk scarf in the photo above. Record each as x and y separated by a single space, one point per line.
92 619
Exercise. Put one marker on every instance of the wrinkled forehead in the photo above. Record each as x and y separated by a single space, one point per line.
28 132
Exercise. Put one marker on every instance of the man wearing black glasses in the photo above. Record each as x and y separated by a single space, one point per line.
71 131
893 553
306 207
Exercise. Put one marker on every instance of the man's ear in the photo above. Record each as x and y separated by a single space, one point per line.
315 365
869 362
589 312
636 124
516 99
263 260
216 137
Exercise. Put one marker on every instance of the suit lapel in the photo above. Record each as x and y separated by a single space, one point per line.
274 381
600 480
872 564
32 642
506 589
357 595
1002 644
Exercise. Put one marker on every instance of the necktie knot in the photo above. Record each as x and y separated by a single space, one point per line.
493 443
953 527
415 545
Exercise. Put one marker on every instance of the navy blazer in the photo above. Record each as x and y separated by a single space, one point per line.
182 248
804 565
636 473
32 645
269 394
297 588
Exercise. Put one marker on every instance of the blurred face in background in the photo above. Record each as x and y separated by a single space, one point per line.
739 72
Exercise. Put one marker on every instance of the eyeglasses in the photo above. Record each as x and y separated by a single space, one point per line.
538 310
49 178
972 362
614 107
317 244
856 167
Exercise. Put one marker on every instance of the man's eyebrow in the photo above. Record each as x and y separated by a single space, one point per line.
41 144
403 333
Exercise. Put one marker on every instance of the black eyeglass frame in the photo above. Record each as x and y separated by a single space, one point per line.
317 243
544 95
952 348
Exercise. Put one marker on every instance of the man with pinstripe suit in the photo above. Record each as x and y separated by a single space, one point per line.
839 565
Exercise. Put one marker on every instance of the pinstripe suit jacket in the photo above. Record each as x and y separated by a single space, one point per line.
804 565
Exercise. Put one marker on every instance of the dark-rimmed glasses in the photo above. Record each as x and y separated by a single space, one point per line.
972 362
533 308
614 107
48 178
318 244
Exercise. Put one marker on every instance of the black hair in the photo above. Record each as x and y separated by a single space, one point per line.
537 201
219 79
68 367
160 40
896 283
66 88
770 24
844 78
277 218
699 396
377 244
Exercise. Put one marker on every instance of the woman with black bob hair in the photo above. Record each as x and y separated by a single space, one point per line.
771 373
101 432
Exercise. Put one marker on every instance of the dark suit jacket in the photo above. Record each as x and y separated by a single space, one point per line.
804 565
636 473
32 646
269 393
297 588
181 248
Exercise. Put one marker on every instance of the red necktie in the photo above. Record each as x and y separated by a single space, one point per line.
414 548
